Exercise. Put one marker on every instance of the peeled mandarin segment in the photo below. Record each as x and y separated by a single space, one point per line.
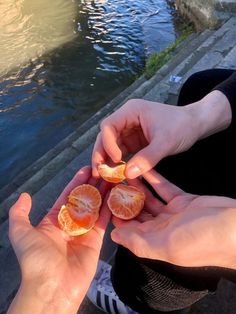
112 174
126 201
84 218
67 224
86 196
81 212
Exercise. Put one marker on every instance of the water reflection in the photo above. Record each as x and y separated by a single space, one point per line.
29 28
60 61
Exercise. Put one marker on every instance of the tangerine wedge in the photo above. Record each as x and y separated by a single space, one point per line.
112 174
81 212
126 201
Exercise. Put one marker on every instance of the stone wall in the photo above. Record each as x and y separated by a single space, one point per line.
206 13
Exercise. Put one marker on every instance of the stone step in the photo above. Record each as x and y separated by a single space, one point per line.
44 169
218 50
187 47
9 278
226 6
160 91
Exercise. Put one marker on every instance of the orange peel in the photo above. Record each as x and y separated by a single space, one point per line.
125 201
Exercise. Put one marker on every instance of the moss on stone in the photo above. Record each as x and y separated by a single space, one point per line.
158 59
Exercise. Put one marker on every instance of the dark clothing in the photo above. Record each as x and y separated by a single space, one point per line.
207 168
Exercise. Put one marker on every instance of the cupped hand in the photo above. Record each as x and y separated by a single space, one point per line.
149 130
47 254
184 229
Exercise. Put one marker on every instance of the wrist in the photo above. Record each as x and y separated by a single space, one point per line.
211 114
39 296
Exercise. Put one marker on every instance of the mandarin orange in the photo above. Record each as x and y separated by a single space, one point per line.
81 212
126 201
114 174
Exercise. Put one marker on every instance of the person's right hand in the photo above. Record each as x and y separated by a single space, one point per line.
153 130
186 230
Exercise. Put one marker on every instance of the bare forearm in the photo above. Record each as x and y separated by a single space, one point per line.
211 114
42 298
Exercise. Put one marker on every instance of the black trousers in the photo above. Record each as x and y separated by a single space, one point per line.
208 168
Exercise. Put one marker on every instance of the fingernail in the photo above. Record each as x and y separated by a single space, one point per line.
133 172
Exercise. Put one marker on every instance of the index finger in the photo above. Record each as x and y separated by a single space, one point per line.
99 155
110 132
105 146
111 128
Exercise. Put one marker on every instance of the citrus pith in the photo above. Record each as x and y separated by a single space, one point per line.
81 211
125 201
114 174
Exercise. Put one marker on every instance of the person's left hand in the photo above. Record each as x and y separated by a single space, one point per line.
185 230
48 257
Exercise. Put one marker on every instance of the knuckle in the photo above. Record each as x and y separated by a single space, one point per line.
103 124
97 139
132 102
106 122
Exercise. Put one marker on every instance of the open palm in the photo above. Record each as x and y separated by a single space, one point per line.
45 251
184 229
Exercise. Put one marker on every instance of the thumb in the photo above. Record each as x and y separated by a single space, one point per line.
19 216
129 237
143 161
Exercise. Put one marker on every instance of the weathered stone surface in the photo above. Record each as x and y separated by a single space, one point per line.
209 61
9 277
158 93
4 240
228 6
229 61
206 13
38 179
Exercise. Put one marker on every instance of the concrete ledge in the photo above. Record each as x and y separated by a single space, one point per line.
207 13
228 6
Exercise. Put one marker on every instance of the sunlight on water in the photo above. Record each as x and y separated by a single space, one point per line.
36 26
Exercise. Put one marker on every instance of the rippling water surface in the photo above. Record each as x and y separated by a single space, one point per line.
60 61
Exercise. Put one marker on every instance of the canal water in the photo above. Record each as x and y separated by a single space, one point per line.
62 60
